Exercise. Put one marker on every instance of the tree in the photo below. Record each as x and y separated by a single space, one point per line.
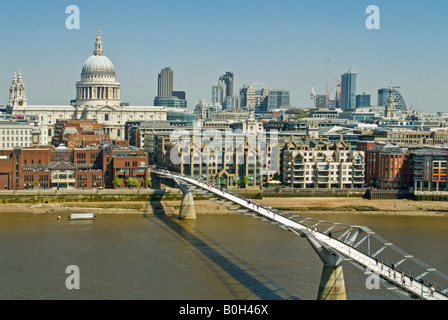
132 182
116 182
301 115
148 183
277 177
243 182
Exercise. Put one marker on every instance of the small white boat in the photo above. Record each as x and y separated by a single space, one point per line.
82 216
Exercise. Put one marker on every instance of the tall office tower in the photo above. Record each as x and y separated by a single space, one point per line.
383 97
348 91
363 100
278 98
247 94
228 80
165 88
218 92
230 103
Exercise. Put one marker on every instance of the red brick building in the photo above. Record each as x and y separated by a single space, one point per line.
125 163
61 167
388 167
25 168
78 133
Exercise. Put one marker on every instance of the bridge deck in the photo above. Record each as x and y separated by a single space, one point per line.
422 290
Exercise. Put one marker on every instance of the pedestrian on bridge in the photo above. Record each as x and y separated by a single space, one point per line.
431 289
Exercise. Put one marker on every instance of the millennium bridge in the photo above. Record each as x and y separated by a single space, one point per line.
334 243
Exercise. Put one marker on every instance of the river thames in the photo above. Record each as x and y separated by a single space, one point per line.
216 257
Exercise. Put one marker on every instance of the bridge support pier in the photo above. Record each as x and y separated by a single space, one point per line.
332 284
187 210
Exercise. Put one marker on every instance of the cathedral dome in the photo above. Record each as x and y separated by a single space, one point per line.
98 85
98 63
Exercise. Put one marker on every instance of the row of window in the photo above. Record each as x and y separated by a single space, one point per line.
12 144
28 178
17 138
7 132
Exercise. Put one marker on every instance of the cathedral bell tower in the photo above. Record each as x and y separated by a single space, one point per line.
17 92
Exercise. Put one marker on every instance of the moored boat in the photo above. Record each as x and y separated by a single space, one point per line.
82 216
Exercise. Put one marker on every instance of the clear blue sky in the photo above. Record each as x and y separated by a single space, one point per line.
283 44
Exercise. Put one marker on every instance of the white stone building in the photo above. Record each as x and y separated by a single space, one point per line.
97 98
16 134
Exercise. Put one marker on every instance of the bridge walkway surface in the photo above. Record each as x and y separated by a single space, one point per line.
398 271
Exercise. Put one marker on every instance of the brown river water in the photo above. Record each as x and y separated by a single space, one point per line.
216 257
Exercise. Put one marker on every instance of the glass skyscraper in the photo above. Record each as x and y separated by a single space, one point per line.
363 100
348 91
165 83
278 98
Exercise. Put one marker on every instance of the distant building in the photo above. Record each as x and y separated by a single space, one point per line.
166 97
230 103
410 138
165 83
430 170
383 98
247 94
219 93
228 79
171 102
348 90
278 98
320 101
363 100
180 95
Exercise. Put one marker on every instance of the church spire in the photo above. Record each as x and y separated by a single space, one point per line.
390 108
98 45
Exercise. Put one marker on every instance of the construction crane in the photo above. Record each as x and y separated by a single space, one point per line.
313 91
328 94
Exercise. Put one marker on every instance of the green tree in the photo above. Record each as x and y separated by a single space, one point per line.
301 115
277 177
116 182
243 182
148 183
132 182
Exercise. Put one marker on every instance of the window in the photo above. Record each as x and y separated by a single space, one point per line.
106 117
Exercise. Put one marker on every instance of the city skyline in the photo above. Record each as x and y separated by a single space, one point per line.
286 49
